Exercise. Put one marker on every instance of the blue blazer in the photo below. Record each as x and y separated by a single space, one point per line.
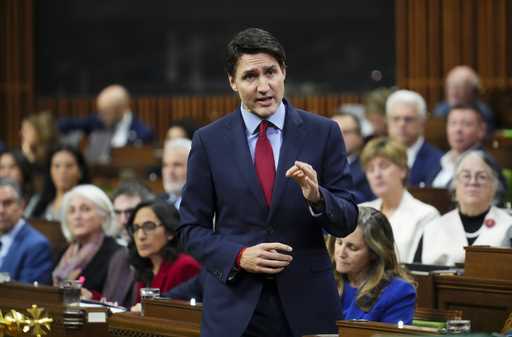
222 186
362 191
396 302
29 258
138 133
426 166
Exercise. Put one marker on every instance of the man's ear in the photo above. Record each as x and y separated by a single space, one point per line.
283 69
232 83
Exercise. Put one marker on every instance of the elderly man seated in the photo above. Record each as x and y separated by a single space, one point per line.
24 252
461 88
114 126
406 112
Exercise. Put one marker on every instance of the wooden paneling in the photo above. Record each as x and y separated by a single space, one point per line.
160 112
16 65
433 36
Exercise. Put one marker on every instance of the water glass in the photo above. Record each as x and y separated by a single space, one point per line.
147 294
458 326
71 292
5 277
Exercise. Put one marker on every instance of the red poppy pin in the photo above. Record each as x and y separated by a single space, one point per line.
489 223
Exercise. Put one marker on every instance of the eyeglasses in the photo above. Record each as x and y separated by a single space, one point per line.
147 227
481 178
405 119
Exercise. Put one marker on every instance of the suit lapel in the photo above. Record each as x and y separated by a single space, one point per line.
293 138
237 139
13 253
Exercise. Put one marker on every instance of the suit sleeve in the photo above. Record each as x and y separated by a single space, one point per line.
340 216
196 231
38 264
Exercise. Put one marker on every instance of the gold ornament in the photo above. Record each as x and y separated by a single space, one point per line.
15 324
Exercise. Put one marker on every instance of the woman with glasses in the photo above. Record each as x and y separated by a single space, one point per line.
154 251
385 164
475 221
88 222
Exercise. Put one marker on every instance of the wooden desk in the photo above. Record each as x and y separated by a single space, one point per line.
133 324
162 317
21 296
488 262
368 329
173 309
485 302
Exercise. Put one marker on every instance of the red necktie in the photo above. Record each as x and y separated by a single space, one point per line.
264 161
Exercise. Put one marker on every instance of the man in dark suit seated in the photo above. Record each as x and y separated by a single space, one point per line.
114 126
351 129
24 252
174 169
406 112
263 183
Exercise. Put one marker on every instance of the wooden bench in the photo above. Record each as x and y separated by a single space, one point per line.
53 232
440 198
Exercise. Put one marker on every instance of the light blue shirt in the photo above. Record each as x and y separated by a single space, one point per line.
274 134
8 238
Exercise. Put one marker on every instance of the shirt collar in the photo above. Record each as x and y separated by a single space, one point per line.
252 121
9 236
412 151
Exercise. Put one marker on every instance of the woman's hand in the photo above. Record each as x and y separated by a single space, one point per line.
136 308
85 294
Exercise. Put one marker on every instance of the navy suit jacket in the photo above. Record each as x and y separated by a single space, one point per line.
426 166
362 191
29 258
222 185
138 133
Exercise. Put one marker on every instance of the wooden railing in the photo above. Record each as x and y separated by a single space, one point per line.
159 112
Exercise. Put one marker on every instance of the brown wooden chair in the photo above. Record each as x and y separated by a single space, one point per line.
500 148
133 157
435 132
53 232
440 198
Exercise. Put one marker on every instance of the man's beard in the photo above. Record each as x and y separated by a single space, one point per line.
173 187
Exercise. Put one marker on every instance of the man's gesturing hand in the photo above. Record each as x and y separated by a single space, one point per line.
266 258
305 175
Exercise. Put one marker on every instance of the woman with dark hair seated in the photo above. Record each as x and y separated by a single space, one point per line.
372 284
15 166
154 251
66 168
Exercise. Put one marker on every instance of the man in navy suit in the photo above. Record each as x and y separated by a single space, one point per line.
24 252
263 184
406 113
351 129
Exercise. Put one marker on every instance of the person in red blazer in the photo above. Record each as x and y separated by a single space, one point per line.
153 248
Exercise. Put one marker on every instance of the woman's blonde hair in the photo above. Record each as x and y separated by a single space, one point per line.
384 264
385 148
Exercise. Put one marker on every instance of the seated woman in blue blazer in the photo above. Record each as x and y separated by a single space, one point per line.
372 284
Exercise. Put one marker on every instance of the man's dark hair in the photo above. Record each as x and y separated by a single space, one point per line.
253 41
355 119
133 188
469 106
